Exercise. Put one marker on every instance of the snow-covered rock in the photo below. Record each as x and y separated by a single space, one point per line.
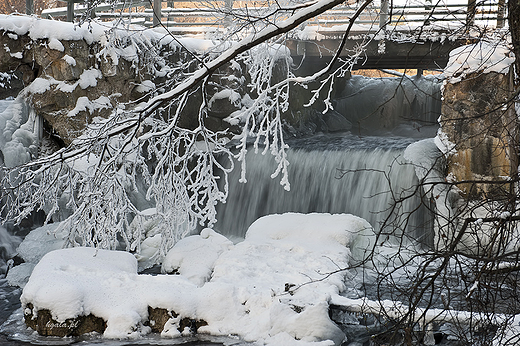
275 285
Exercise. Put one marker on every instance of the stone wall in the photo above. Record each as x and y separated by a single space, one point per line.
479 139
480 124
57 75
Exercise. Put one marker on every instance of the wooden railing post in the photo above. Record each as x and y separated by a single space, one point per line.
156 12
427 7
228 7
470 14
70 11
383 14
501 13
29 6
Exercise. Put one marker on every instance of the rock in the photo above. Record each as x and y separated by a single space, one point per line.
45 325
157 318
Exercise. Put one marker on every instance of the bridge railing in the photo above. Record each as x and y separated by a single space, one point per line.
185 13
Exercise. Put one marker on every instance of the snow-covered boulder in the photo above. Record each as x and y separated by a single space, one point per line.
275 287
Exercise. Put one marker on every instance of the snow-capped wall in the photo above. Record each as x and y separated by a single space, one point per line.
478 139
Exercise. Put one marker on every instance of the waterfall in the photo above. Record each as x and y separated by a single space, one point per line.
387 115
374 174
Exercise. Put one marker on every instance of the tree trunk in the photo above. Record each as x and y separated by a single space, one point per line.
514 26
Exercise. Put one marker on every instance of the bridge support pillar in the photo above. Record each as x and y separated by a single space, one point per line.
228 7
470 16
70 10
156 12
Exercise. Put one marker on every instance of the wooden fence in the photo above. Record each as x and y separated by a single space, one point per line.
186 13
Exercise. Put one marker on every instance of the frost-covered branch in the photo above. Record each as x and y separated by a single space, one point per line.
157 155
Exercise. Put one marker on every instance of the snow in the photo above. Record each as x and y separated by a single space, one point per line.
70 60
16 25
184 258
426 157
145 86
444 144
84 104
89 78
56 45
18 55
482 57
233 96
273 288
38 28
39 86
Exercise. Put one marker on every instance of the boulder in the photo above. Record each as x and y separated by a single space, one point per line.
45 325
158 317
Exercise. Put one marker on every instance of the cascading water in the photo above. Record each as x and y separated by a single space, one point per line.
375 173
345 175
8 245
407 106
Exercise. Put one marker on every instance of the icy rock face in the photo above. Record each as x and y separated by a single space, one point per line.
476 122
57 75
476 139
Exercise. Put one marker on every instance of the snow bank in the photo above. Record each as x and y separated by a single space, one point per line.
482 56
274 287
185 259
427 159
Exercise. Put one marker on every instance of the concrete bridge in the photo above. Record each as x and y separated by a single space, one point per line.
384 53
418 36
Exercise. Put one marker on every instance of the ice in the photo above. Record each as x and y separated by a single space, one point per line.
18 138
36 244
40 241
8 244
